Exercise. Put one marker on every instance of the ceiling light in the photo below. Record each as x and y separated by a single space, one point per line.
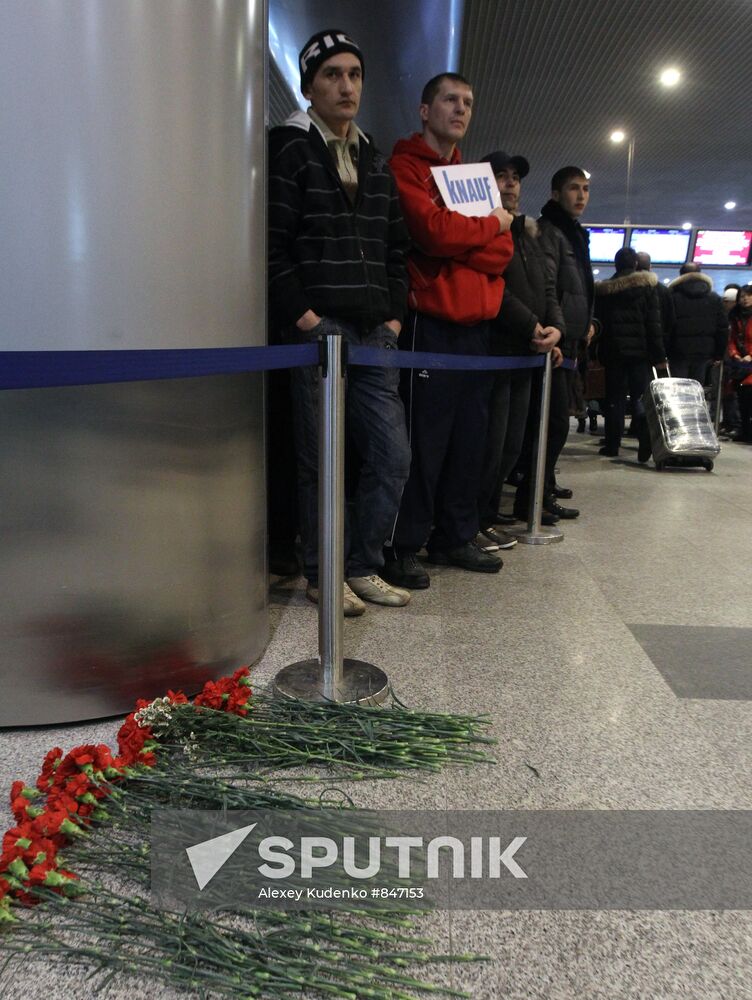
587 174
617 136
729 205
670 77
667 281
686 225
596 270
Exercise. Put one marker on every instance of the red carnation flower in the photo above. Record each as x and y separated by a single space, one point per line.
51 762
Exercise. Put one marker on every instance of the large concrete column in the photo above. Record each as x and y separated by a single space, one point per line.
132 216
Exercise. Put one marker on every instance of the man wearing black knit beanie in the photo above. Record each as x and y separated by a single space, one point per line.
337 246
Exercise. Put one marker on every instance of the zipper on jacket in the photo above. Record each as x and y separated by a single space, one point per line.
354 219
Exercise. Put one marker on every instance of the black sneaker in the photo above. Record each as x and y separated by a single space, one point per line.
548 520
468 556
506 519
501 539
405 571
566 513
562 493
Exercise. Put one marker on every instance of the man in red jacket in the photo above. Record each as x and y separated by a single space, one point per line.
456 287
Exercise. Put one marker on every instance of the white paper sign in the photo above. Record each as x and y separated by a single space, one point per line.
468 188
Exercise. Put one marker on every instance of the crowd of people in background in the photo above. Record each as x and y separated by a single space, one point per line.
365 247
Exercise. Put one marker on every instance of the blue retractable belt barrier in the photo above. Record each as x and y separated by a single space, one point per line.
379 357
44 369
39 369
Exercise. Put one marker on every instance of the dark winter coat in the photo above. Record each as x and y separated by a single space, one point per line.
700 329
630 318
666 303
341 260
529 296
566 245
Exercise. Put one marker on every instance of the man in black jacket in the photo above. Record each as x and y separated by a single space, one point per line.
665 298
337 246
566 247
529 322
631 341
700 329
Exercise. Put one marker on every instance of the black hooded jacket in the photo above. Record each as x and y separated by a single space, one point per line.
630 317
700 329
566 245
529 293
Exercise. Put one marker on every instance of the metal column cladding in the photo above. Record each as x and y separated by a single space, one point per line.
132 214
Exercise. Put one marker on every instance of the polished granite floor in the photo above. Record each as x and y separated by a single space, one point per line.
617 672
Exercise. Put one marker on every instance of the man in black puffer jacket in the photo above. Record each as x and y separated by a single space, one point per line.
631 341
700 330
566 246
529 322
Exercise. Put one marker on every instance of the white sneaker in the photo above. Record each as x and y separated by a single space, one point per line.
351 603
378 591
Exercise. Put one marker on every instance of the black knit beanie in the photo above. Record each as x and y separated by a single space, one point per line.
322 46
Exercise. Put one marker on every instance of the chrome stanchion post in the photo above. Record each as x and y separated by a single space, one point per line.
331 677
331 515
534 534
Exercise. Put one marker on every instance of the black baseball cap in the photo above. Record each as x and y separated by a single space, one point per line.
500 161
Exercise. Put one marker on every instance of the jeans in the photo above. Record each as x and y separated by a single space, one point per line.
510 401
627 376
375 420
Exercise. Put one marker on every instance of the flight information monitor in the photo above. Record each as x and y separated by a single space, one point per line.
665 246
605 241
721 246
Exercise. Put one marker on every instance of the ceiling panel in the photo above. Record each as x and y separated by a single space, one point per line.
553 78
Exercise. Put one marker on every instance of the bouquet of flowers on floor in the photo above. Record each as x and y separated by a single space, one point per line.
74 869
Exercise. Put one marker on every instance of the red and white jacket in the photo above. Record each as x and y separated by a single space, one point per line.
740 338
456 262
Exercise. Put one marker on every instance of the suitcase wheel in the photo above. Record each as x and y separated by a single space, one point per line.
708 465
660 466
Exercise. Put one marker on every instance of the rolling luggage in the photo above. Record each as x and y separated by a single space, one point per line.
681 429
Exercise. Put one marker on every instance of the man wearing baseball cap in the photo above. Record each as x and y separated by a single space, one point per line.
337 247
530 321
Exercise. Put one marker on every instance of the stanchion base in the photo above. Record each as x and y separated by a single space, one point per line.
543 536
362 683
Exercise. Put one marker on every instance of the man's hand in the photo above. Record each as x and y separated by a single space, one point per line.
662 366
747 357
590 335
556 356
307 321
545 339
394 325
505 219
552 331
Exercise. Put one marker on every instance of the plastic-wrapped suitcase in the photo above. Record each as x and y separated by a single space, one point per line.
681 429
